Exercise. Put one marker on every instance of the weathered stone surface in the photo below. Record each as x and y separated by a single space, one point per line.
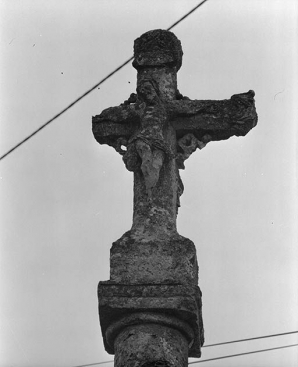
172 121
150 309
157 48
151 260
151 345
219 119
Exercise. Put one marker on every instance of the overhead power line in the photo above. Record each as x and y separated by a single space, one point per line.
186 15
243 354
211 359
94 364
248 339
65 109
91 89
222 343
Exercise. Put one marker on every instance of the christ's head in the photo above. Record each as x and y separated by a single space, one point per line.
148 91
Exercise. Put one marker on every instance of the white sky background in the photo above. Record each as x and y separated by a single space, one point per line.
65 199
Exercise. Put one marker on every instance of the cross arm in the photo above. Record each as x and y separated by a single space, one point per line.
115 125
214 120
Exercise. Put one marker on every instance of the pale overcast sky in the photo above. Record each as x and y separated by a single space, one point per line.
65 199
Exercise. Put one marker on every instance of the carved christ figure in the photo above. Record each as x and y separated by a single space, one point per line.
148 142
160 129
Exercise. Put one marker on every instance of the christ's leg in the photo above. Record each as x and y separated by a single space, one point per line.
145 154
151 164
157 162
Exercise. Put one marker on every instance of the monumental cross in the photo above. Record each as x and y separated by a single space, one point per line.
150 309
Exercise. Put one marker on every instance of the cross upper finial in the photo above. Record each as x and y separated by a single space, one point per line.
157 48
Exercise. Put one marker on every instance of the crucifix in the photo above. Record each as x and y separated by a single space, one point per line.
150 309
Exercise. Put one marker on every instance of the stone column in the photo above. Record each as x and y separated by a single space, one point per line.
151 345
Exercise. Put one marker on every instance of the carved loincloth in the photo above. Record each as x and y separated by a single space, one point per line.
154 143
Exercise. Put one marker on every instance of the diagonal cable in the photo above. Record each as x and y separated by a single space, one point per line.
91 89
248 339
186 15
211 359
222 343
65 109
243 354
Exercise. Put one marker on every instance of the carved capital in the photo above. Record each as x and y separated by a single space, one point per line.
173 305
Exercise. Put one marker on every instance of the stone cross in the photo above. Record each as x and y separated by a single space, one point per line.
152 295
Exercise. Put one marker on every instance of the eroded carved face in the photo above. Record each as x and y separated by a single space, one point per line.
147 92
